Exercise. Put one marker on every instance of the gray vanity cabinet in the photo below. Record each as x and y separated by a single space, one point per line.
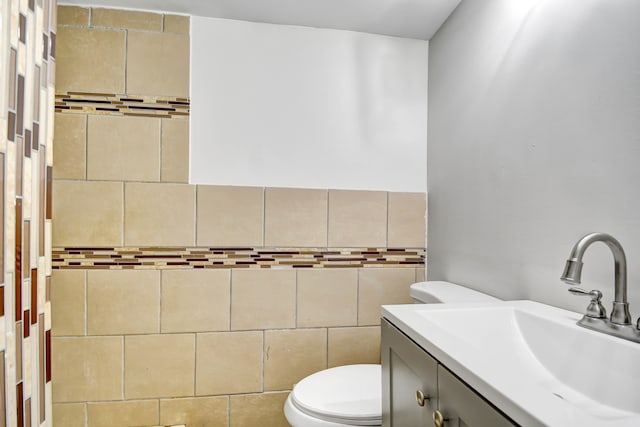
463 407
415 387
407 371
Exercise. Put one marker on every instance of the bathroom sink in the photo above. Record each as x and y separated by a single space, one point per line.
531 360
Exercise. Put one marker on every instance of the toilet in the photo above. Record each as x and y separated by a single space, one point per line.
347 396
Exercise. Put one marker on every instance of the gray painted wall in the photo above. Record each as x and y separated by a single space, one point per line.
534 141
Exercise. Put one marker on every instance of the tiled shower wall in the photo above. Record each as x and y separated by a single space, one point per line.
196 304
27 73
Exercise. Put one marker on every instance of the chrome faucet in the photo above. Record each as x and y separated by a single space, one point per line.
619 324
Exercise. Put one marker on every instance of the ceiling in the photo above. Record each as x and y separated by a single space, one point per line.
418 19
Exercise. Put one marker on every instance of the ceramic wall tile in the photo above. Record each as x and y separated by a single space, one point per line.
377 287
357 218
74 15
327 297
90 60
228 363
263 299
341 348
407 220
229 216
128 19
175 151
87 369
195 300
291 355
87 213
159 214
68 306
70 414
157 63
132 413
123 302
159 366
295 217
123 148
176 24
198 411
258 409
70 149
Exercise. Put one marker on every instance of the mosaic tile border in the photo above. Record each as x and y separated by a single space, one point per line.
25 162
113 258
165 107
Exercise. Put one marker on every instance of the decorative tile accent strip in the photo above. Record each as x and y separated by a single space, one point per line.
211 257
165 107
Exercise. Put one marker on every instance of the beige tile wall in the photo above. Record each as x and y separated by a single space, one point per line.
198 353
156 63
159 366
91 60
199 411
196 347
133 141
238 213
357 218
295 217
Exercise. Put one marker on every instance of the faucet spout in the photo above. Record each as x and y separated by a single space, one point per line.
573 271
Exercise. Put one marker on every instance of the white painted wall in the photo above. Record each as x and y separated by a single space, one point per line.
534 141
287 106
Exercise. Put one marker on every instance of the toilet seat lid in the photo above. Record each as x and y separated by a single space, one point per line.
349 394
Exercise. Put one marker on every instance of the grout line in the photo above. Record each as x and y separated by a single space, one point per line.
134 181
136 399
164 16
139 334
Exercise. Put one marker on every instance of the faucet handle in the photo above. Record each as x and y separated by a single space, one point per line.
595 308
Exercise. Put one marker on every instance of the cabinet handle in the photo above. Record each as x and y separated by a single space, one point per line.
438 419
421 397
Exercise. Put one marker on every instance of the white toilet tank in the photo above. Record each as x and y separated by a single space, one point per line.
335 397
445 292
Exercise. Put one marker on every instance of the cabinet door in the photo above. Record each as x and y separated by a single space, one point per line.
406 371
460 406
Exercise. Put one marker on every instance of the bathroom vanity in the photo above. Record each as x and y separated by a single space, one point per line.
417 390
503 364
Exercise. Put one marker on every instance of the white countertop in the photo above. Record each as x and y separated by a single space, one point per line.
531 360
